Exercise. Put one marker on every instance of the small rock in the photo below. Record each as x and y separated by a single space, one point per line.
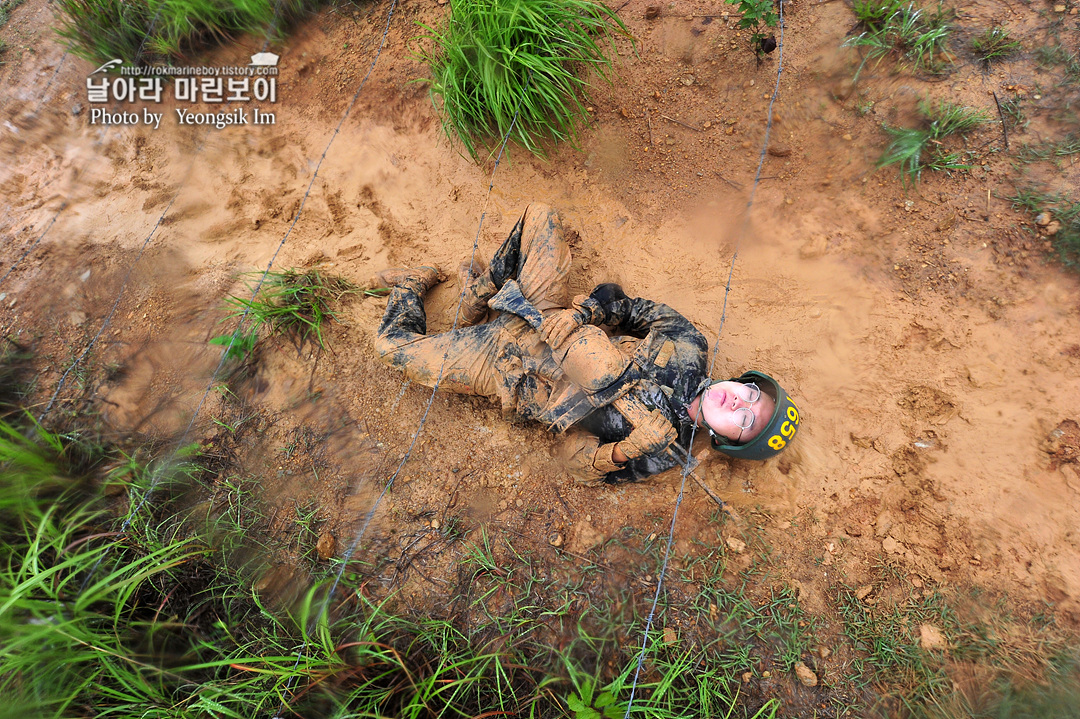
670 637
890 545
806 676
779 150
1052 228
816 246
586 536
84 276
707 124
853 530
688 80
766 675
824 652
326 546
736 545
746 677
76 109
77 317
555 539
652 12
670 141
1059 8
883 523
931 638
435 523
847 136
862 592
502 504
1042 219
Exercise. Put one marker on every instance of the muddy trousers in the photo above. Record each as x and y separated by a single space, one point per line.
537 256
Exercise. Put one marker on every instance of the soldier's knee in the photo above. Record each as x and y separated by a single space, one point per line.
384 347
541 212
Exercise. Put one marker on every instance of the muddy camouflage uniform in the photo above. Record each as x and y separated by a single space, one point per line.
505 358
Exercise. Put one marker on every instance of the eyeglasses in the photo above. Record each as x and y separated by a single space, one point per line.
743 417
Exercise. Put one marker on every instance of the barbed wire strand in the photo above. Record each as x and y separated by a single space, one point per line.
123 286
146 242
160 469
712 362
97 143
34 244
370 515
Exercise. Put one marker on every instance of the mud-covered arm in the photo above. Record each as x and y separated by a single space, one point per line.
586 458
639 316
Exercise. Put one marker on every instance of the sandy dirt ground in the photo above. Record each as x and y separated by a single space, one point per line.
933 350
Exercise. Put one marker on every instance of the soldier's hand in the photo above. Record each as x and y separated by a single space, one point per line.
651 436
560 325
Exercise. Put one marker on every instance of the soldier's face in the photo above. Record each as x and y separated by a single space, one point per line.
727 407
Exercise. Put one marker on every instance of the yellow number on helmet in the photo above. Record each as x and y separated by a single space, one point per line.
793 414
777 442
787 429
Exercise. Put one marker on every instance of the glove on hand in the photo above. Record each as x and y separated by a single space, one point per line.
560 325
651 436
603 462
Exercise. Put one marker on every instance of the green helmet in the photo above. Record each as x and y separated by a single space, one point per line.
780 429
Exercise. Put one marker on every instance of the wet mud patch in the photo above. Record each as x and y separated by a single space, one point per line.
927 403
1063 443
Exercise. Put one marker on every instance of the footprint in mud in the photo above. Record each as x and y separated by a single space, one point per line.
927 403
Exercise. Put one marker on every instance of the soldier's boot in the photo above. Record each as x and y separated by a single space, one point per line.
418 279
479 288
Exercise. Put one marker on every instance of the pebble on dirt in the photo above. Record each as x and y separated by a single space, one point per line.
806 675
326 546
930 637
736 545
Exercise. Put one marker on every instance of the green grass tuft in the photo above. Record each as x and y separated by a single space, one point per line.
1062 210
914 149
901 29
1051 149
994 44
1049 56
492 55
101 30
290 303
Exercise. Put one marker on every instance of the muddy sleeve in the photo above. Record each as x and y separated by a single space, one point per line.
638 316
585 457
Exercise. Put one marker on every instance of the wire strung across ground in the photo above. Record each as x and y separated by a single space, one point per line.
158 473
97 143
160 470
712 362
78 360
427 409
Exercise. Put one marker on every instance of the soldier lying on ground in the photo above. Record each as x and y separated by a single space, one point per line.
626 403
